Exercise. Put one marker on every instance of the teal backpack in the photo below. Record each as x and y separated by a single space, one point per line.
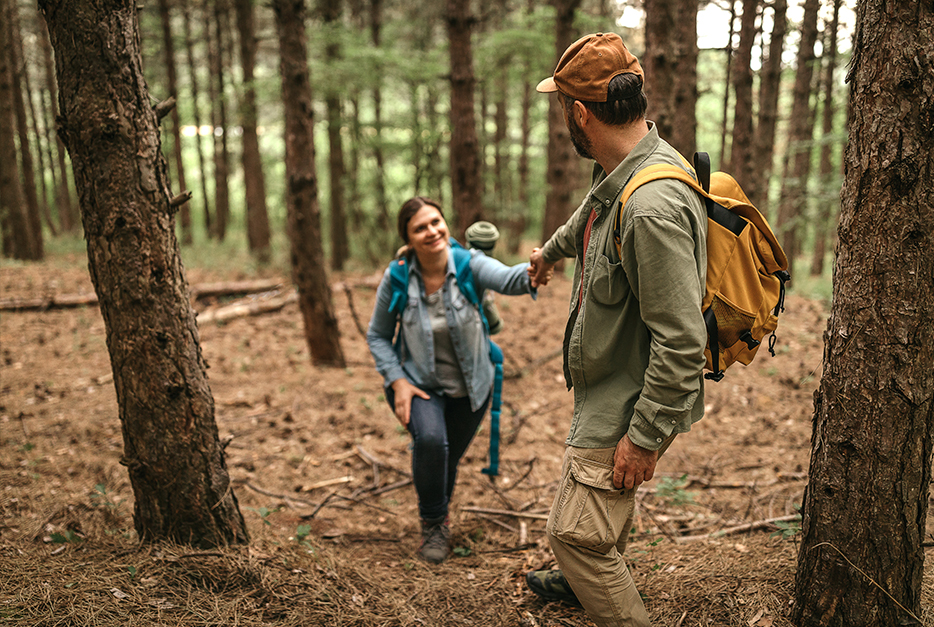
399 282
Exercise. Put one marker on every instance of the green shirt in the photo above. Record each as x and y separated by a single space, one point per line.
634 344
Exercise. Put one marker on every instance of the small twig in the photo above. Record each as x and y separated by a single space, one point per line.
181 199
681 620
320 505
353 310
499 523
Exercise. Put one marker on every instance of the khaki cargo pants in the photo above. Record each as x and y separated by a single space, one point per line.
588 528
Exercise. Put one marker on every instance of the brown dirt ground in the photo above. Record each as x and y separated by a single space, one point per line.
326 549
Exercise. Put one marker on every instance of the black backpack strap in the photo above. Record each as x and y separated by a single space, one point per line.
713 337
702 169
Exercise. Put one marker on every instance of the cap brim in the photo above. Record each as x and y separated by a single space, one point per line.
547 86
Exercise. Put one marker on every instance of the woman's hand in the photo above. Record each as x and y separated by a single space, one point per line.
403 392
540 271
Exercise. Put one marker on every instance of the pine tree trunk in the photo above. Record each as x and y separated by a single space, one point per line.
196 113
257 216
219 122
798 156
168 49
382 208
827 204
66 208
304 220
562 173
28 172
670 62
465 146
742 154
340 247
176 462
13 222
769 85
866 502
727 83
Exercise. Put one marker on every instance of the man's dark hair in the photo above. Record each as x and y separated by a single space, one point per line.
625 102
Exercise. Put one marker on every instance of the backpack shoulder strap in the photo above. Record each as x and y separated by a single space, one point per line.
399 282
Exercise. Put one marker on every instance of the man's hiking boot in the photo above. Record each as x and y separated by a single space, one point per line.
436 536
551 585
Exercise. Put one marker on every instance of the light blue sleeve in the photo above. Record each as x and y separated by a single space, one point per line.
491 274
380 333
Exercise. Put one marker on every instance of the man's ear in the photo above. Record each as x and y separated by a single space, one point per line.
581 113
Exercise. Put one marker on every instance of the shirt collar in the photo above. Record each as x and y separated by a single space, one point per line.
608 187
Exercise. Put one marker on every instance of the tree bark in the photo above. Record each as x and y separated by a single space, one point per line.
801 131
827 205
562 174
861 557
742 153
670 63
304 220
769 84
176 462
257 216
196 112
465 145
28 170
379 185
168 49
728 49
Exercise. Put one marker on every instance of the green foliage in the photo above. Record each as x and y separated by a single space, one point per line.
673 493
66 537
788 530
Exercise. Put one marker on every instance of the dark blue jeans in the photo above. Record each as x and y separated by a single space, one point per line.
442 429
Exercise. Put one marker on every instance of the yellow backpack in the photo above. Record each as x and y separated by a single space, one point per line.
746 267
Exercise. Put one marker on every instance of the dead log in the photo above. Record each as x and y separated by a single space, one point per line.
252 308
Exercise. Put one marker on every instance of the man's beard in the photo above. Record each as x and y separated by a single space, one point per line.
579 140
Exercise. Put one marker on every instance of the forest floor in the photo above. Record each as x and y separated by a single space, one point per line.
312 452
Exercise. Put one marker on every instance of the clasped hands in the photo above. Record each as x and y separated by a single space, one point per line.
540 271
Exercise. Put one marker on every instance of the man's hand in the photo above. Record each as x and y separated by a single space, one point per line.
632 465
540 272
403 392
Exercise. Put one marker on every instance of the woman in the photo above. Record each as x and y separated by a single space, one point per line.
438 375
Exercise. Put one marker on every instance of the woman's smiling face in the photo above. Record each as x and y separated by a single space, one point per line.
428 232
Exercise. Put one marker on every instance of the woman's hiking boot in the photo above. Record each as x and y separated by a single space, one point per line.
436 538
551 586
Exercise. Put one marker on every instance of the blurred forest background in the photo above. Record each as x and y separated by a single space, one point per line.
761 88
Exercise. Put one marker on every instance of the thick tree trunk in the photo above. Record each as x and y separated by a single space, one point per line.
176 463
168 49
28 171
769 85
562 174
742 154
13 222
304 219
801 131
670 62
861 558
196 112
257 216
827 205
340 247
465 146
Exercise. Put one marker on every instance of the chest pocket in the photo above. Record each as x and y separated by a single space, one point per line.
608 282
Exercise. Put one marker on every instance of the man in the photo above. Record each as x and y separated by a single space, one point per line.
635 337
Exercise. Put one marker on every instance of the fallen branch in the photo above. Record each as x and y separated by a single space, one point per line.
229 288
753 526
353 310
533 365
505 512
253 308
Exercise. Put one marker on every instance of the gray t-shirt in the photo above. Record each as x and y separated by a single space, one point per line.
448 371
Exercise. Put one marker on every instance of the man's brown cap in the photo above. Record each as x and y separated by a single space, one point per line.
587 66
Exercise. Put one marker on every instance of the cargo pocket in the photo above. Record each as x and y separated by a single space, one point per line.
591 512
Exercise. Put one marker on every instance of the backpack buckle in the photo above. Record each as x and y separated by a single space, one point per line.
751 342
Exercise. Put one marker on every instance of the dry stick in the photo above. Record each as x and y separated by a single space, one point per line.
871 580
753 526
320 505
240 310
353 310
505 512
509 528
372 459
391 487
